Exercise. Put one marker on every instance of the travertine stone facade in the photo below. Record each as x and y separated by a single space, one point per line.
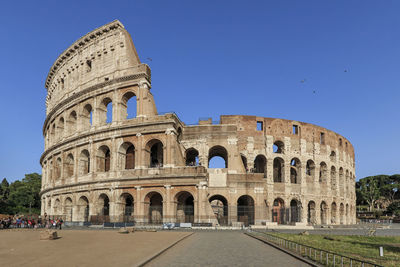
153 168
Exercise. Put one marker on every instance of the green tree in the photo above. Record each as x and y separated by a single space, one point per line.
368 190
24 195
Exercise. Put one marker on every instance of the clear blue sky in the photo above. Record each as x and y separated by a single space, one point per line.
221 57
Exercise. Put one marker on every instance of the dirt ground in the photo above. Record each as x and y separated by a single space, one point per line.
82 247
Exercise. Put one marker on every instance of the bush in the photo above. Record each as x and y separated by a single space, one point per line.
394 208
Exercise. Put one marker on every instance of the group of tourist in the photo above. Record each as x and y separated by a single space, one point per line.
22 222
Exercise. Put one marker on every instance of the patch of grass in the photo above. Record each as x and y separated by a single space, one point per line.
358 247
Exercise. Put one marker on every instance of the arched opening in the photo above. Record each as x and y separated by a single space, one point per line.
310 171
219 205
323 172
53 134
103 159
192 157
184 207
128 206
72 122
69 165
311 214
129 106
105 111
295 171
84 162
217 157
58 168
87 116
244 161
245 210
278 147
278 211
260 164
324 213
68 209
156 150
333 179
104 206
295 211
154 205
279 169
83 209
332 156
60 128
347 214
346 181
341 210
126 156
341 182
57 207
179 134
333 213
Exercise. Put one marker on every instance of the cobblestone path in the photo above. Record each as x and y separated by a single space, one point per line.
224 248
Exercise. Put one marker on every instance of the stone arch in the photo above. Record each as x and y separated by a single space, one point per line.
332 156
333 213
184 207
278 211
279 170
218 151
295 211
192 157
57 169
219 205
83 209
295 171
68 209
69 165
103 204
129 105
278 147
341 181
127 156
104 111
323 172
311 213
155 153
153 203
341 213
60 128
324 213
53 133
245 210
260 164
103 159
72 122
84 162
310 171
87 116
57 207
127 206
333 180
347 214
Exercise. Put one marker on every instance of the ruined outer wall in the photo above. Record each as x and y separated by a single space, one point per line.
85 156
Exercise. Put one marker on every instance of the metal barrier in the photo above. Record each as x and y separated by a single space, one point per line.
321 256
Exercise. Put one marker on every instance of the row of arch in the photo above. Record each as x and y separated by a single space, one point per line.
86 116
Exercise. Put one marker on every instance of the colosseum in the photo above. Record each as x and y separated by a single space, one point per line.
110 157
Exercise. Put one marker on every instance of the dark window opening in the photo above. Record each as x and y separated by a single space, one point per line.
295 129
322 139
260 126
89 65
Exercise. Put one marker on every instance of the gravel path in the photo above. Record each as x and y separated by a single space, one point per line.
223 248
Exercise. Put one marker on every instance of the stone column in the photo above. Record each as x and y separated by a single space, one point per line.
139 153
168 214
138 210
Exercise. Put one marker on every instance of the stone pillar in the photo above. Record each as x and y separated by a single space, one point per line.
202 201
138 210
259 206
139 153
168 213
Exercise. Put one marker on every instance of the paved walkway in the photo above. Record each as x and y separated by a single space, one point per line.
223 248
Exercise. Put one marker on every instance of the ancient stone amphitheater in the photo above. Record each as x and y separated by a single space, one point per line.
110 157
